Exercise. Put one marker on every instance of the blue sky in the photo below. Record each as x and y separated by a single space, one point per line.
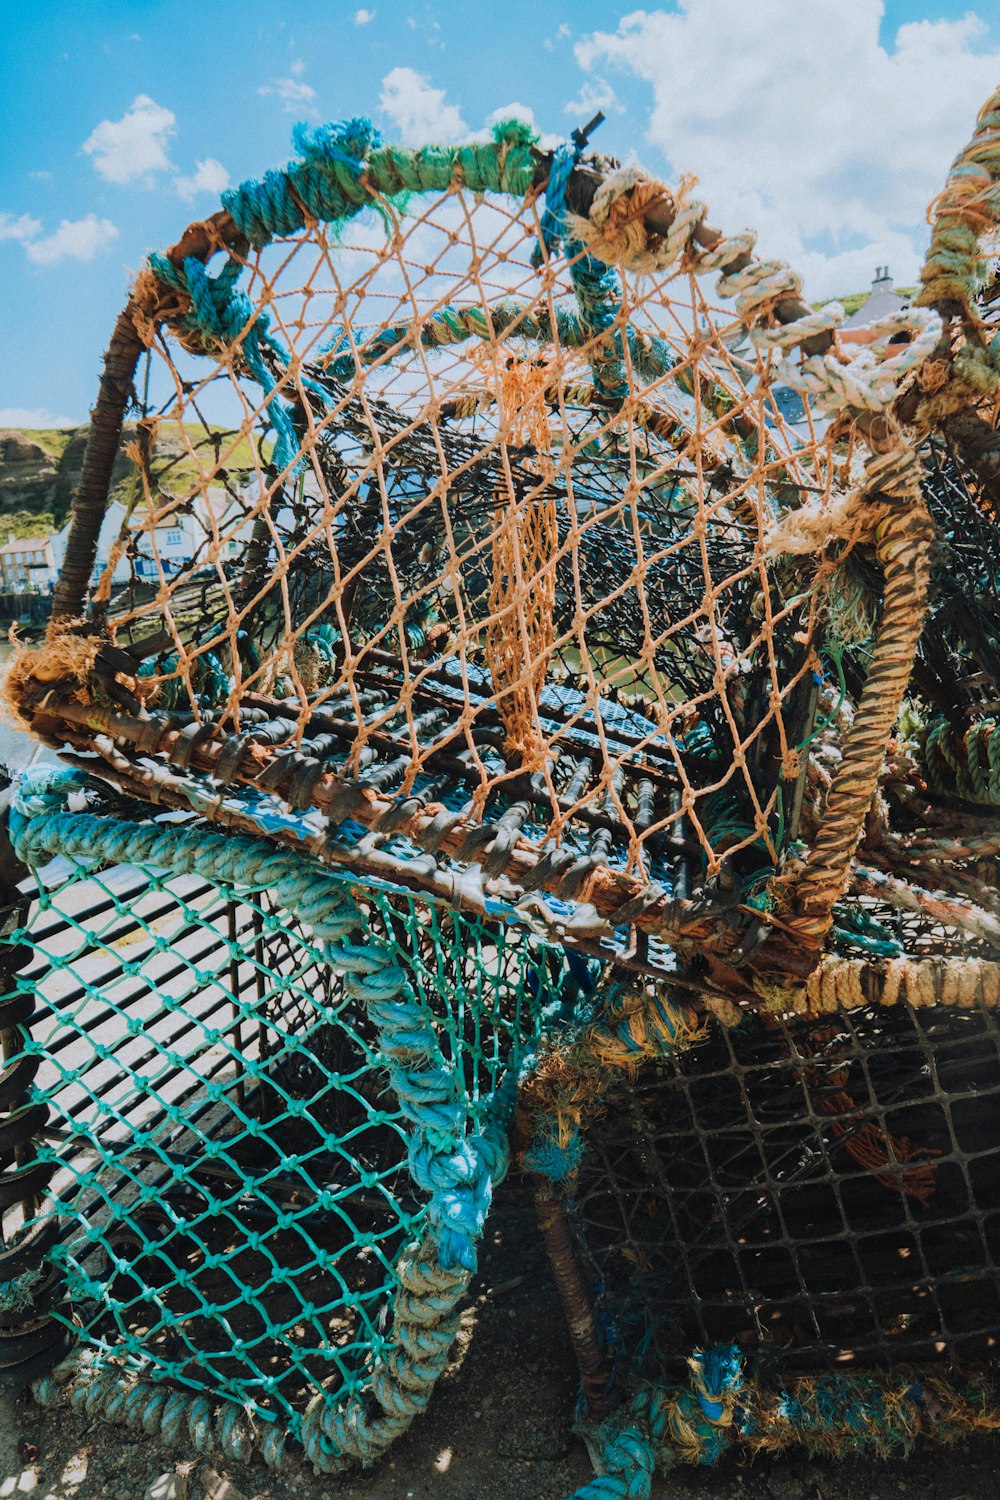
827 125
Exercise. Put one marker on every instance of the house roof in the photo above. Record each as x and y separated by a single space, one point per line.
27 544
882 300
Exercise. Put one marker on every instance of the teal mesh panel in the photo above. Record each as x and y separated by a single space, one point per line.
236 1179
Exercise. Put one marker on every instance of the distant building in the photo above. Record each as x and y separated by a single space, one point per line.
882 300
110 527
28 564
212 526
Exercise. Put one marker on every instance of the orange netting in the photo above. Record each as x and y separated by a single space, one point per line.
463 547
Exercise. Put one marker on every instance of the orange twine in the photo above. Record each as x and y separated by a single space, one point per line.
523 591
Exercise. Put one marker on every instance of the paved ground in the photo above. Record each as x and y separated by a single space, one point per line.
499 1428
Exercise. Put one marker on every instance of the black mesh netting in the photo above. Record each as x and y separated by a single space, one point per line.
826 1191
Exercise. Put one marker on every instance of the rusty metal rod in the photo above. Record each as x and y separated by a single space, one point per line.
594 1366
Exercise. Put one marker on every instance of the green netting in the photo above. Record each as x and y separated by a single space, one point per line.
274 1144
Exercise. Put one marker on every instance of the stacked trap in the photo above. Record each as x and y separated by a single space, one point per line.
491 685
270 1113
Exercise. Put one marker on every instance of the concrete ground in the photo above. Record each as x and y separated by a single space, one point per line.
499 1427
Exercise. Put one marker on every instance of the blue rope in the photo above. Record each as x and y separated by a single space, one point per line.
220 312
597 286
564 159
326 183
548 1158
628 1459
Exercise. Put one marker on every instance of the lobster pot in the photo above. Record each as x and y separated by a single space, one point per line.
819 1197
268 1151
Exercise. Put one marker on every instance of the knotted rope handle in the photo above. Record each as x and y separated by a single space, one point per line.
967 208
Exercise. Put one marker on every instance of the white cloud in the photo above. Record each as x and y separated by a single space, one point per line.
33 416
75 239
24 227
209 176
418 110
363 17
595 94
799 123
297 68
135 146
292 92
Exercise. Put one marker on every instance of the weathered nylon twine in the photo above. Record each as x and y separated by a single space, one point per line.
522 595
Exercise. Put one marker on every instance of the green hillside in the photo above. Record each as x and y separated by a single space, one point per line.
40 469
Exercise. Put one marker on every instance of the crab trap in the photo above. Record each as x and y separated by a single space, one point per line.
784 1231
268 1112
520 564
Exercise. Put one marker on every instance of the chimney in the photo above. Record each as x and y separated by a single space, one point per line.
883 281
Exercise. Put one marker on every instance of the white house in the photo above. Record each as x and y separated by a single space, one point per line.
28 563
213 524
110 527
882 300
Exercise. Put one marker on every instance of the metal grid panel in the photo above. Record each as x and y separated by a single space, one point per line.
826 1192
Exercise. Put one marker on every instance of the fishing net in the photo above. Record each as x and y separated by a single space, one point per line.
503 536
768 1190
466 516
819 1191
269 1137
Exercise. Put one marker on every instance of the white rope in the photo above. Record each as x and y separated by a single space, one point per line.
872 380
869 382
790 335
758 286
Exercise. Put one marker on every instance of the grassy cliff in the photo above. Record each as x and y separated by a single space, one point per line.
40 469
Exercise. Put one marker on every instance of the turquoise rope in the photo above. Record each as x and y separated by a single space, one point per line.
628 1445
208 676
627 1458
856 928
651 357
345 168
856 1415
598 295
547 1158
220 312
597 285
327 182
